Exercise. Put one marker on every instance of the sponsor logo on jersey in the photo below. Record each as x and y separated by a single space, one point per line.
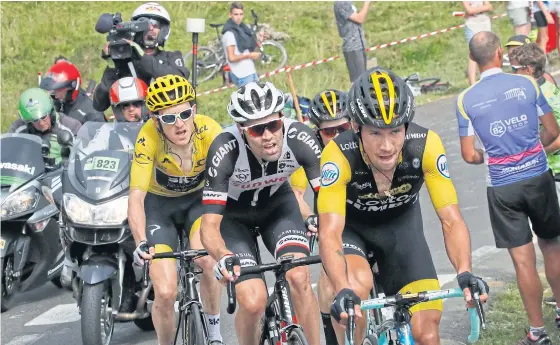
518 92
349 146
292 240
242 176
261 183
408 177
215 198
353 246
201 129
374 205
292 132
311 141
416 163
521 167
361 186
222 151
329 174
499 128
142 141
415 136
18 167
247 262
141 158
212 172
404 188
442 167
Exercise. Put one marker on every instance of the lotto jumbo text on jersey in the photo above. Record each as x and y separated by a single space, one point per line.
503 111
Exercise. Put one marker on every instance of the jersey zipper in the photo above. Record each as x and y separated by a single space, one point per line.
256 194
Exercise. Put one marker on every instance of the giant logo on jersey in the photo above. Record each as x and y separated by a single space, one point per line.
222 151
329 174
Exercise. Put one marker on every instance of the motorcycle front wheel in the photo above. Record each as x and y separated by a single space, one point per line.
96 314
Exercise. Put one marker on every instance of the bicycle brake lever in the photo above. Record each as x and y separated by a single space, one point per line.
145 274
478 304
230 290
349 305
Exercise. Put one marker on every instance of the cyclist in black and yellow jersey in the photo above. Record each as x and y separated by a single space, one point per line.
328 112
166 183
369 202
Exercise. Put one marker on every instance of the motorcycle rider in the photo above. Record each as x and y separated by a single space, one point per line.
149 59
64 82
39 117
128 100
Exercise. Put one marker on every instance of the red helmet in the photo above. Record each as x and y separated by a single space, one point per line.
63 74
127 90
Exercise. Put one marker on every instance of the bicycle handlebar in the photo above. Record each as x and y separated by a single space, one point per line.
280 266
476 314
183 255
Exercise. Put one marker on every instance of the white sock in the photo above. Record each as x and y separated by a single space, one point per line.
213 327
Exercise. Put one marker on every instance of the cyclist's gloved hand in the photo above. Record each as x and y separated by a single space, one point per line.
141 253
338 306
220 271
312 224
466 280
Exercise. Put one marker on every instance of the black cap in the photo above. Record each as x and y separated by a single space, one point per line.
518 41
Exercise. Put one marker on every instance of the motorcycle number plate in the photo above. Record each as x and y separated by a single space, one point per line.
2 243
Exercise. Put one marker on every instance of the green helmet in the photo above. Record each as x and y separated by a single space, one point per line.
34 104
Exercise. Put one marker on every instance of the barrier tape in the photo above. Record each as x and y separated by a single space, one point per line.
332 58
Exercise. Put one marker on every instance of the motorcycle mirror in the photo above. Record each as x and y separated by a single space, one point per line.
64 138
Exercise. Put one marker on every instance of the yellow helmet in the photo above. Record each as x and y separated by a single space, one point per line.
168 91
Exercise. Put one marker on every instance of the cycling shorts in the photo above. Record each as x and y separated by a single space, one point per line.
165 215
401 251
279 223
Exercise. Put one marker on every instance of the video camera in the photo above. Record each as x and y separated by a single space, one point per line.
118 32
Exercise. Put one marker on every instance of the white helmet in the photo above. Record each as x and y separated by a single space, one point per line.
255 101
156 11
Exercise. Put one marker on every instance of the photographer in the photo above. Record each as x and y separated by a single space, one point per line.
63 80
148 57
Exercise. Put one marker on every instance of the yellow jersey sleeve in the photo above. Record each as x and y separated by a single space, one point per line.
145 151
335 175
436 173
299 179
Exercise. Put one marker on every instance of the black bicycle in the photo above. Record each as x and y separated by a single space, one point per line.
192 323
278 323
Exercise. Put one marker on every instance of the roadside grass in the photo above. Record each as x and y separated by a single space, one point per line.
33 33
507 321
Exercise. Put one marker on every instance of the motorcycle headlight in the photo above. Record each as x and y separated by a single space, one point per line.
111 213
20 202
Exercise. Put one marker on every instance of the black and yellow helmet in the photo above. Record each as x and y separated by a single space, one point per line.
328 105
168 91
381 98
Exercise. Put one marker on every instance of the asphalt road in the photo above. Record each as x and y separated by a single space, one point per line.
49 316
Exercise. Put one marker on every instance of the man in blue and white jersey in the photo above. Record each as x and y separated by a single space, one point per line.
504 111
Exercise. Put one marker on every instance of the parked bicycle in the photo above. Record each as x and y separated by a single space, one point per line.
421 86
278 323
211 61
192 323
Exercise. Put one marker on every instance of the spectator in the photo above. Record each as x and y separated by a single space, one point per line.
239 45
543 17
517 41
519 13
504 110
349 22
476 20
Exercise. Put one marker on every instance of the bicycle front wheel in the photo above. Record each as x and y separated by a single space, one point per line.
274 56
297 337
370 340
194 334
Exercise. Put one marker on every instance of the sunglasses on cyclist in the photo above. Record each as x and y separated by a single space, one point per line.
170 119
136 104
516 68
258 130
332 131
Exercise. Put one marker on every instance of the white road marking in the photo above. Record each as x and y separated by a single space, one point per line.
61 313
480 253
25 339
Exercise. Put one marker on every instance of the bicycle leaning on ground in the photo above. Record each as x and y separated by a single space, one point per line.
210 61
279 324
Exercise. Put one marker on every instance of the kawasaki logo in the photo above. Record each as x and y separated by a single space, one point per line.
19 167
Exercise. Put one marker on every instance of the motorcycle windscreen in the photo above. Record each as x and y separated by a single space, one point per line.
101 158
21 158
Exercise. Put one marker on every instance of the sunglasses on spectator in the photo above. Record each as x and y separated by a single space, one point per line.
136 104
516 68
258 130
330 132
170 119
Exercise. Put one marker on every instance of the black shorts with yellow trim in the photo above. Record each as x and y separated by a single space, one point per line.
166 215
401 251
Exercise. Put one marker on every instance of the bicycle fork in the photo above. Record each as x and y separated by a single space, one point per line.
287 316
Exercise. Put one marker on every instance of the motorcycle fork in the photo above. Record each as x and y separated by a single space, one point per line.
21 252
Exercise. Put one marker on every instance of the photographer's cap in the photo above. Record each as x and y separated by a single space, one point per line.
518 41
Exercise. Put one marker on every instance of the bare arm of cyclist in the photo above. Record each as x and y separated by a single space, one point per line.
444 198
331 206
140 175
220 164
299 183
307 151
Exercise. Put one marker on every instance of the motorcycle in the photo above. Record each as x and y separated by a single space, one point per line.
30 249
95 230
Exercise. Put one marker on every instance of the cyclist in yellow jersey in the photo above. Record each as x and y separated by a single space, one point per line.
368 202
327 111
166 183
